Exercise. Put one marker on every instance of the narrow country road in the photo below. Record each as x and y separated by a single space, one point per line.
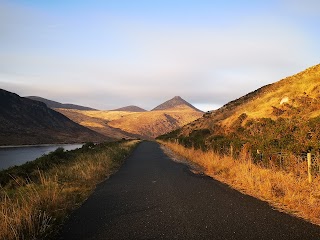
152 197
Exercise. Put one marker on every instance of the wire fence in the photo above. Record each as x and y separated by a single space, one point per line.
301 165
306 163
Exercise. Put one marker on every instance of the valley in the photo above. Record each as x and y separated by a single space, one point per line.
36 120
171 115
159 120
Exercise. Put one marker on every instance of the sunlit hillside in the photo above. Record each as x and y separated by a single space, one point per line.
128 124
284 116
97 121
107 115
298 95
155 123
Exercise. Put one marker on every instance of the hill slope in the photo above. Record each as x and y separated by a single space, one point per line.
284 116
154 123
54 104
98 121
176 102
25 121
147 125
130 108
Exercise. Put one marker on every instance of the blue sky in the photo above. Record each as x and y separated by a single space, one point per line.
108 54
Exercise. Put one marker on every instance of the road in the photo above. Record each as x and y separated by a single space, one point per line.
152 197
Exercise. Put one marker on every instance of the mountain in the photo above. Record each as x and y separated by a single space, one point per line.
128 124
98 121
149 125
130 108
25 121
176 102
283 116
54 104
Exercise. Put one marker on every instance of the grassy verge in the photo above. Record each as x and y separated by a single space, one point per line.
287 191
36 197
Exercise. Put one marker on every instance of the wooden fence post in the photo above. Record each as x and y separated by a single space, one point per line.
231 151
309 168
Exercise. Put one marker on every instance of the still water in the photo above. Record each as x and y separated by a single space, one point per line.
17 155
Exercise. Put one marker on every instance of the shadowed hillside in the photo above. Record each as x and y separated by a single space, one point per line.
25 121
54 104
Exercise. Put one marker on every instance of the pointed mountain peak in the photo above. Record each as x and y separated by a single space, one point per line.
175 102
177 98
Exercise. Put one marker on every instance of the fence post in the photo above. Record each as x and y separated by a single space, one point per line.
309 168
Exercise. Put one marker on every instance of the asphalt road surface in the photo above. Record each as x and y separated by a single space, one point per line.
152 197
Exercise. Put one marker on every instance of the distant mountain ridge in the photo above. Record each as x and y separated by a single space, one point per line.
128 122
130 108
173 103
25 121
54 104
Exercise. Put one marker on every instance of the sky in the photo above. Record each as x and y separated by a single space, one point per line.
114 53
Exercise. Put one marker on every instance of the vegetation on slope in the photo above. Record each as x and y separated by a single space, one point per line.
284 116
36 197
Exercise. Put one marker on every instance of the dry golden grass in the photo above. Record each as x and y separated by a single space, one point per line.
24 214
32 210
91 124
288 191
100 114
107 115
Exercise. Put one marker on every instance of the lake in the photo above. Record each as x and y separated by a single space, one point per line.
17 155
